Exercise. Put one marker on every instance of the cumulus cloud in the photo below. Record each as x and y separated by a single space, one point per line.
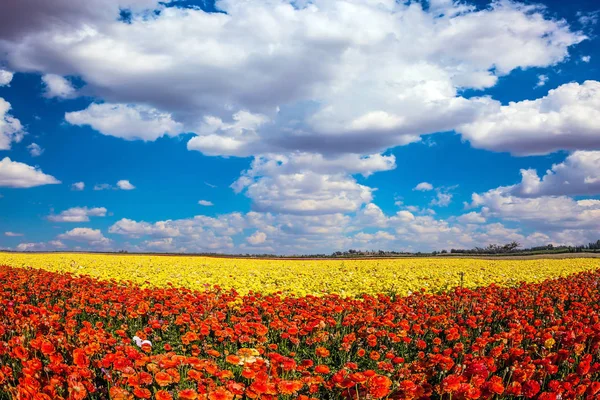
58 87
124 184
19 175
257 238
41 246
579 174
442 199
155 75
306 192
545 212
205 203
12 234
78 186
424 187
5 77
126 121
35 150
565 119
78 214
471 218
91 237
11 130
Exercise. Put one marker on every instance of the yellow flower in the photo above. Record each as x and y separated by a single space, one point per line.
303 277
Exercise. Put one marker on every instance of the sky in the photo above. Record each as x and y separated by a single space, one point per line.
298 127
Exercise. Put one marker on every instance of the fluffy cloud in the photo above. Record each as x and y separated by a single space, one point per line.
124 184
12 234
236 138
579 174
309 82
205 203
41 246
306 193
200 233
471 218
564 119
78 214
78 186
257 238
57 86
258 232
308 183
35 150
442 199
19 175
542 80
545 212
424 187
11 129
91 237
5 77
125 121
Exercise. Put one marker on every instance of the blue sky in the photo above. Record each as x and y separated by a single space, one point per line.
303 128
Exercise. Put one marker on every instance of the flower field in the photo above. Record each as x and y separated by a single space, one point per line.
304 277
73 336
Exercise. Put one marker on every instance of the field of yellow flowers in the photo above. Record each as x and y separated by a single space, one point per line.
304 277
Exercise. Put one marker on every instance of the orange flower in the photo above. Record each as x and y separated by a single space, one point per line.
322 369
118 393
163 395
289 387
220 394
379 386
163 379
142 393
233 359
322 352
187 394
80 358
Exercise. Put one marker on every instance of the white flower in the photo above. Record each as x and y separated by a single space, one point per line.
139 342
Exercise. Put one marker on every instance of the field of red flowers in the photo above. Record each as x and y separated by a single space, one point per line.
67 337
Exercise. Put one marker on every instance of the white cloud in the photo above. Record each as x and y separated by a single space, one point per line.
236 138
125 185
545 212
424 187
57 86
471 218
205 203
309 82
5 77
41 246
78 186
92 237
542 80
586 59
19 175
130 122
78 214
257 238
303 192
122 185
564 119
443 199
11 130
35 150
579 174
12 234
